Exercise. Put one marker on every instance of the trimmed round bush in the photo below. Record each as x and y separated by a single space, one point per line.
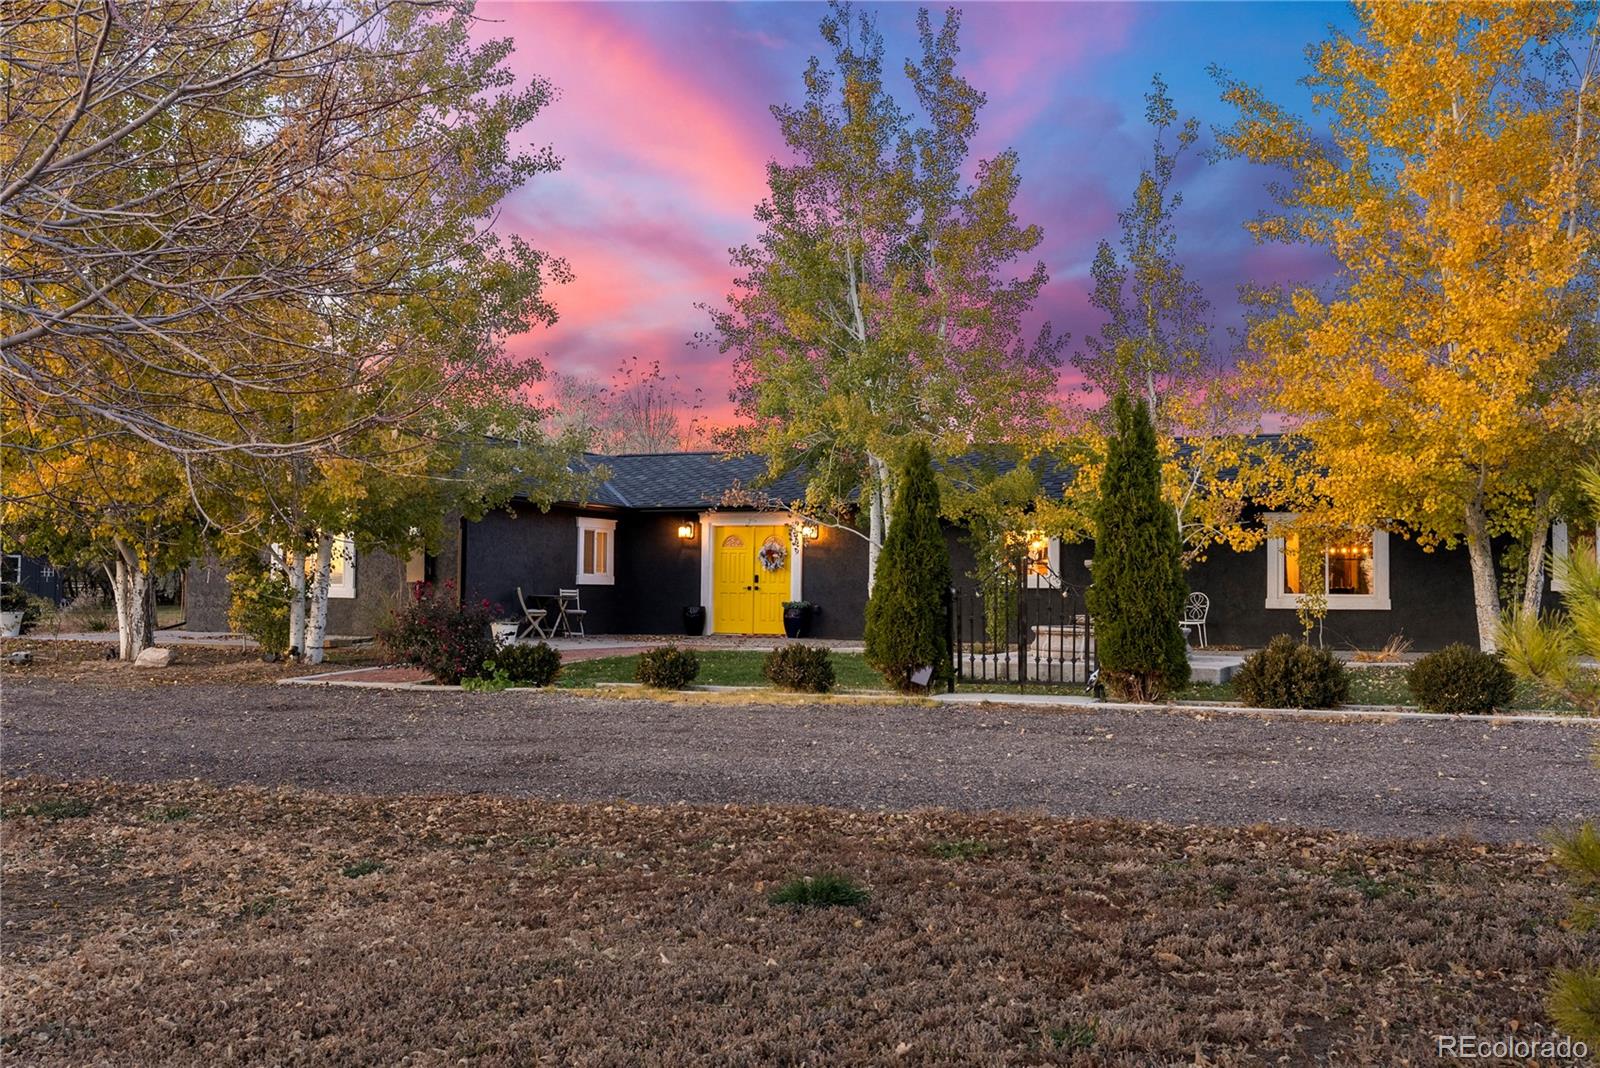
448 640
667 667
1459 678
1291 674
807 668
529 665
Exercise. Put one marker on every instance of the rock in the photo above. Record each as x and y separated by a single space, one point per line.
154 657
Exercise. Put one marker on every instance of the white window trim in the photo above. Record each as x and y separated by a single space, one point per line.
340 588
708 520
1560 546
609 526
1376 601
344 586
1051 581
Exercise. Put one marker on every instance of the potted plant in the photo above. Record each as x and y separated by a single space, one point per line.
504 632
13 609
797 618
694 619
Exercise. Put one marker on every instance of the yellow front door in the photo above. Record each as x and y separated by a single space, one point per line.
748 598
733 587
772 587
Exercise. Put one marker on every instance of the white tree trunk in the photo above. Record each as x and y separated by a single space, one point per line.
119 596
875 531
1538 539
295 567
317 622
878 517
130 590
1485 593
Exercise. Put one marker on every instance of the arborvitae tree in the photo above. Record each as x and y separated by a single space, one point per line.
906 615
1137 595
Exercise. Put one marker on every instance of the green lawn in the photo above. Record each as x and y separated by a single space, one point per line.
718 667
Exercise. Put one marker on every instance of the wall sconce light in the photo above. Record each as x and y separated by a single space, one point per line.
809 530
686 531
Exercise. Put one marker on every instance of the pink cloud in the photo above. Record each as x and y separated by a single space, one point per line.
624 99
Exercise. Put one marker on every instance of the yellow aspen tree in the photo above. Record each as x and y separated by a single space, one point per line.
1451 175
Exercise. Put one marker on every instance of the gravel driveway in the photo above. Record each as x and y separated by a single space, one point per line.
1401 778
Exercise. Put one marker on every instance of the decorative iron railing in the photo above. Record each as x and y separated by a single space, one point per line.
1018 626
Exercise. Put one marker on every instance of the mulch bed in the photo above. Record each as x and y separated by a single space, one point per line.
186 924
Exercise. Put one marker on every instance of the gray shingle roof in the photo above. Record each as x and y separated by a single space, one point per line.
691 481
685 480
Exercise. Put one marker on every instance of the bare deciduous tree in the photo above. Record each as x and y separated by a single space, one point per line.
640 410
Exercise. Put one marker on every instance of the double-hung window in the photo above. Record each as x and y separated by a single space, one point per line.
597 548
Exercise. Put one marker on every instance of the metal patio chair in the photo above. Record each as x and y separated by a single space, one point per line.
1195 610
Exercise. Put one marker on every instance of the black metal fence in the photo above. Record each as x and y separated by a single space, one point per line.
1019 626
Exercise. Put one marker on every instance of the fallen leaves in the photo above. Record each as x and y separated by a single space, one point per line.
497 931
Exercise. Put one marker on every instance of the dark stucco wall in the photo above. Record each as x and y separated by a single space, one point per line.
206 596
835 579
1430 596
658 573
380 587
522 546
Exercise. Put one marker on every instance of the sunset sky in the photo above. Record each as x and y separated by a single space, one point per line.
664 131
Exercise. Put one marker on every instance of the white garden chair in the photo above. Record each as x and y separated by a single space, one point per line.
1195 610
570 613
532 618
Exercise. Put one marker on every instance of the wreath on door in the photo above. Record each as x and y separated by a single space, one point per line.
772 555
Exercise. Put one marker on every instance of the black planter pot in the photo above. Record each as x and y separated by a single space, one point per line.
796 622
694 620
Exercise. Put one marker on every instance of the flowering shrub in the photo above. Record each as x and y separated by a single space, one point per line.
446 639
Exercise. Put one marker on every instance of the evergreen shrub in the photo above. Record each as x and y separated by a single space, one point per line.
1291 674
906 628
667 667
806 668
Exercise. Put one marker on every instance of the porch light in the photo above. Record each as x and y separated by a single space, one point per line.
686 531
809 530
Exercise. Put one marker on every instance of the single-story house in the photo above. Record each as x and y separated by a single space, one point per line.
32 575
659 535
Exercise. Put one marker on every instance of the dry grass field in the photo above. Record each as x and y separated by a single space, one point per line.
187 924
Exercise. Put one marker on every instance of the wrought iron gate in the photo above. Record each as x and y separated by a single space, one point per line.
1019 626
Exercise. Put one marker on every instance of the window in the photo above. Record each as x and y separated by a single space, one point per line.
341 567
1355 567
1044 561
1563 541
597 551
11 568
